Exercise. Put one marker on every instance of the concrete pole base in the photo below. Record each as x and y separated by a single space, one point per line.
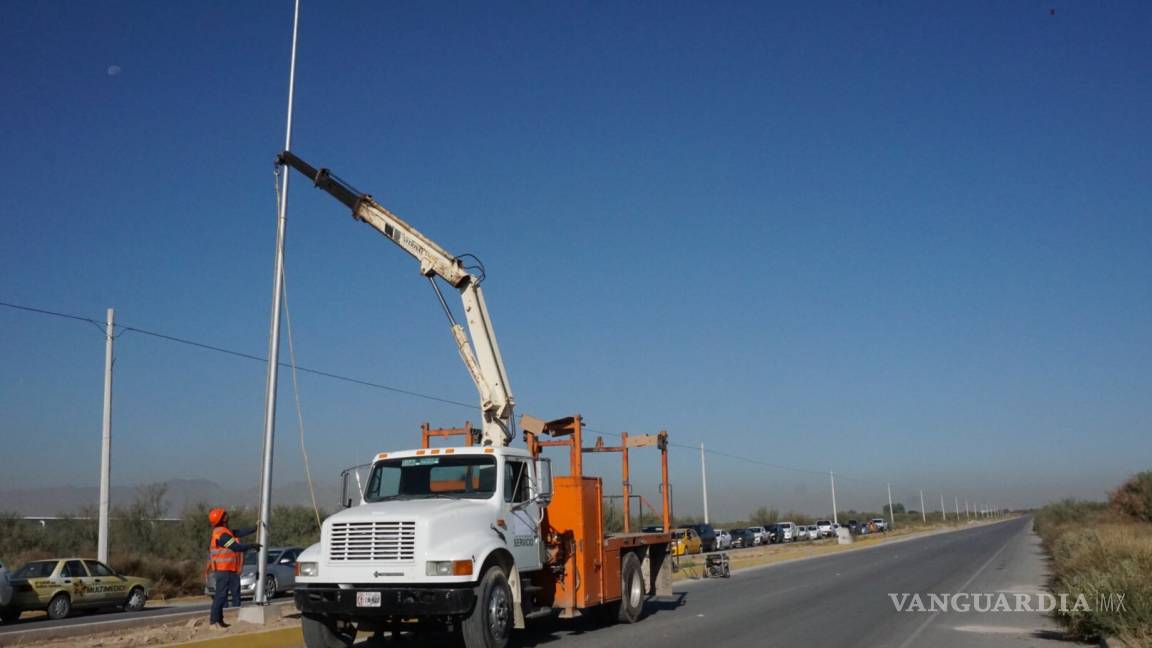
843 536
258 614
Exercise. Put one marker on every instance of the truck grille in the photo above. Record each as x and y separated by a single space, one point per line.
372 542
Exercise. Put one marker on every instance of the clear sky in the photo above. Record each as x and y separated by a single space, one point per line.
906 242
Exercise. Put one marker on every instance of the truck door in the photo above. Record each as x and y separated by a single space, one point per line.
521 514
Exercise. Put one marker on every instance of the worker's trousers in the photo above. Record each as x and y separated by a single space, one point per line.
227 584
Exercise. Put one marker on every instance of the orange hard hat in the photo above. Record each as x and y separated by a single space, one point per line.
215 515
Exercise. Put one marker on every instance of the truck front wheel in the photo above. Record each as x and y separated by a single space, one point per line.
490 623
323 632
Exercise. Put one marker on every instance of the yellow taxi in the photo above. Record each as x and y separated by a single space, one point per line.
686 541
61 585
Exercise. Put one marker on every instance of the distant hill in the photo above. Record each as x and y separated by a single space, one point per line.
182 494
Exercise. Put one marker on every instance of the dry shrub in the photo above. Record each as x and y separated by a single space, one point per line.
1099 561
1134 497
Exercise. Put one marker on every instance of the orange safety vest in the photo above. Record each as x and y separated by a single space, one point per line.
223 558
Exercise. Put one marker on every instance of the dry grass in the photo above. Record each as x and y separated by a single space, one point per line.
1103 550
1103 560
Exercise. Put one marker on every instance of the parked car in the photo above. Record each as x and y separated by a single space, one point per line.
813 532
761 534
853 527
825 529
802 532
743 538
61 585
773 533
281 573
5 587
685 541
880 523
723 539
787 531
707 535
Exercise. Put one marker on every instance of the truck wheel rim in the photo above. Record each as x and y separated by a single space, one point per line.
498 613
635 592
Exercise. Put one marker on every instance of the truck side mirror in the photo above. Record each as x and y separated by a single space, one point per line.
345 497
544 480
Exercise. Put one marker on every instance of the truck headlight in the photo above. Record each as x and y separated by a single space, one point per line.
448 568
307 569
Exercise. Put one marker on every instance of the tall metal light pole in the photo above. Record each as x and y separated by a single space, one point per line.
943 513
923 513
106 443
956 501
274 339
967 516
835 518
704 482
891 511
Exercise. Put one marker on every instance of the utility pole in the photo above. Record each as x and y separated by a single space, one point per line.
943 513
956 501
835 519
274 341
923 513
891 511
704 481
106 443
967 517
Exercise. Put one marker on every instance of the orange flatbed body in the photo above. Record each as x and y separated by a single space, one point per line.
591 559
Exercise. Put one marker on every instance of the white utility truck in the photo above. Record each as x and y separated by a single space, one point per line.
477 537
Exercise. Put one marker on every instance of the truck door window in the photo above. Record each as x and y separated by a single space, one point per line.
516 482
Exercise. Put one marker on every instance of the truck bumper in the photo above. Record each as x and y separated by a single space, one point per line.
395 601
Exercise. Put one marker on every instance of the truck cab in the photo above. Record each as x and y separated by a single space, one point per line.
431 521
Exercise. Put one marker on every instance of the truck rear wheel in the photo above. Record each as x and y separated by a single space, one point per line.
323 632
631 589
490 623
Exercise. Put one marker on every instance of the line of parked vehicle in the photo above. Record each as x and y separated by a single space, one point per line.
703 538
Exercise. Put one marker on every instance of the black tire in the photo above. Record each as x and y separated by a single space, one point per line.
136 600
59 607
631 590
10 615
323 632
270 587
490 623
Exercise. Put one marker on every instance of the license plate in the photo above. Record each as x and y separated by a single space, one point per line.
367 599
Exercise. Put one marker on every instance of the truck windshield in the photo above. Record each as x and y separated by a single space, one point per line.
457 477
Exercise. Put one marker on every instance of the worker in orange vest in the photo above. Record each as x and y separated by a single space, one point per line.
225 560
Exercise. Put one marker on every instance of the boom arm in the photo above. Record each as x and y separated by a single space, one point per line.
481 354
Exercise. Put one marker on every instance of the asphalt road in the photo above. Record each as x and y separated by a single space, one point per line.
842 600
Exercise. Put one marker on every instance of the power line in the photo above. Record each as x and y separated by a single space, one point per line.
241 354
398 390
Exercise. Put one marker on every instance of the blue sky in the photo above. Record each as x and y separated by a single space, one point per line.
907 243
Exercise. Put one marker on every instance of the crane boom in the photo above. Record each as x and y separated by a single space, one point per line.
480 353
